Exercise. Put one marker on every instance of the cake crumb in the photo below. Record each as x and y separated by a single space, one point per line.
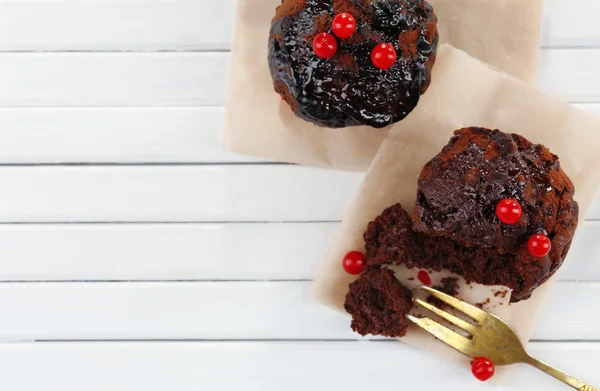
483 303
501 293
449 286
378 303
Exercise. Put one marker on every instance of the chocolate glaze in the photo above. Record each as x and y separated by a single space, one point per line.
347 89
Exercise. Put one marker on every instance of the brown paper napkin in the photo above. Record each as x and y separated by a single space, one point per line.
503 33
464 92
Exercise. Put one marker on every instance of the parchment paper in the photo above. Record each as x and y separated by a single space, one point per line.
465 92
503 33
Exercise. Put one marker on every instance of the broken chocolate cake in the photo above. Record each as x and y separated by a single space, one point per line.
491 207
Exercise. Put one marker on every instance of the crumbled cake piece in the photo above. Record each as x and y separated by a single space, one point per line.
378 303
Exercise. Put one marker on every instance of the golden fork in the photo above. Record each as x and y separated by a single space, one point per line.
490 337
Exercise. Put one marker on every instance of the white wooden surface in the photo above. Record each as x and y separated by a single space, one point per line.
136 255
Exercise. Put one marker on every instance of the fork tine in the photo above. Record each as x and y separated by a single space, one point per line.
458 322
443 333
471 310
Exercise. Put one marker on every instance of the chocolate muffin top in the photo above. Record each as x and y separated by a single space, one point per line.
348 89
459 189
378 303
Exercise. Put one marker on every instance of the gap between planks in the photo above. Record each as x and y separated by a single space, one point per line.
156 26
263 340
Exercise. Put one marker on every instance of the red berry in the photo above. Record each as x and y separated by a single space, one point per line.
383 56
343 25
424 277
539 245
482 368
325 45
354 262
509 211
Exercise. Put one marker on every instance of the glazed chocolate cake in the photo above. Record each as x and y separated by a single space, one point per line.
378 303
455 226
348 87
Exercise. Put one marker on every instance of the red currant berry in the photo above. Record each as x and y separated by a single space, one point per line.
343 25
509 211
424 277
325 45
482 368
539 245
383 56
354 262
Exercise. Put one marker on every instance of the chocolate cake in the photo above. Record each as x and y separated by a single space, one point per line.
459 189
454 224
460 223
348 88
378 303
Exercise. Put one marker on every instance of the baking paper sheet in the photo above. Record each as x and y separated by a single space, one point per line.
503 33
464 93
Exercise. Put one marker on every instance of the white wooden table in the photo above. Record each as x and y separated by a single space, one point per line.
136 255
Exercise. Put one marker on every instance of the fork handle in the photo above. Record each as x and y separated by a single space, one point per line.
570 380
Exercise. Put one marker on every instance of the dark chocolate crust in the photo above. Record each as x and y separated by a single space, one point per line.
454 224
347 89
378 303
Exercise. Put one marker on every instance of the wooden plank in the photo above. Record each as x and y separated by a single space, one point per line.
229 193
175 193
275 251
591 108
578 86
567 24
157 25
224 310
164 251
112 79
113 135
187 79
177 25
120 135
581 263
156 366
